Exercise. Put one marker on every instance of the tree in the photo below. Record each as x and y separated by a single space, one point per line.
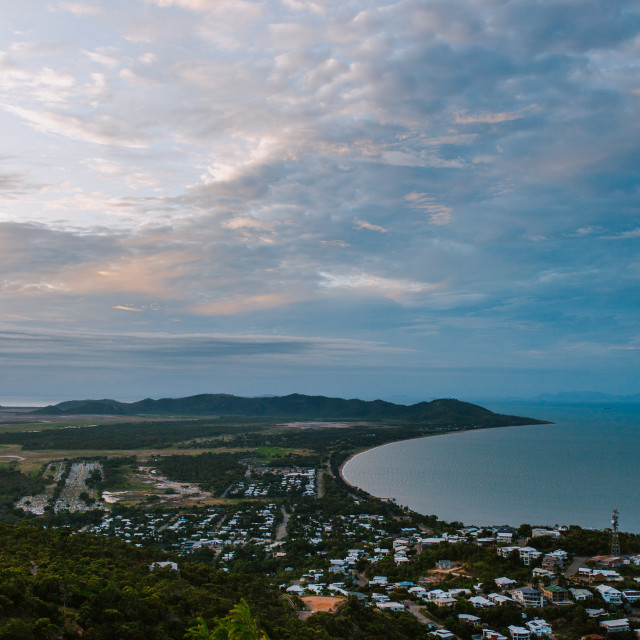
237 625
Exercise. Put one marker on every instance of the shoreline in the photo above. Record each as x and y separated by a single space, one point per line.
477 500
586 520
428 435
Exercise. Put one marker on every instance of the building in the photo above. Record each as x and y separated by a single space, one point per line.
505 583
555 594
613 626
529 597
528 555
609 594
489 634
631 595
467 618
580 595
537 533
519 633
539 627
390 606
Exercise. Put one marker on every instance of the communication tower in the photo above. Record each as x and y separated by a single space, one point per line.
615 541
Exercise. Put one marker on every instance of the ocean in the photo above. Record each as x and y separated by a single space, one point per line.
574 471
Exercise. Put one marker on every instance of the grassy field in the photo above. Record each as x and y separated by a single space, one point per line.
267 454
29 461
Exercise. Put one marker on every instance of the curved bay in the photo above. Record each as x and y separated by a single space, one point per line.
572 472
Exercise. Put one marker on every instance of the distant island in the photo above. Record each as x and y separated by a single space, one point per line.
296 407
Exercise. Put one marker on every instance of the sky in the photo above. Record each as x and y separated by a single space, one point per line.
376 199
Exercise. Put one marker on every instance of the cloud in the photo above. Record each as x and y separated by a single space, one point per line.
623 235
81 8
439 214
101 130
244 305
463 117
325 169
363 224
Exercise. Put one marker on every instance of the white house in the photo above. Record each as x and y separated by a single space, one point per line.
529 597
519 633
528 554
505 583
500 599
580 595
443 634
390 606
630 595
612 626
539 627
481 603
609 594
504 536
469 619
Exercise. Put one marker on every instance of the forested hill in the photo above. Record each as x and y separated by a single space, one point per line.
295 406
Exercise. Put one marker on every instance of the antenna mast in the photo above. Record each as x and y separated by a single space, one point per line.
615 541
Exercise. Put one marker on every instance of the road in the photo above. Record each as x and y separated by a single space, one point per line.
320 483
578 561
414 610
282 529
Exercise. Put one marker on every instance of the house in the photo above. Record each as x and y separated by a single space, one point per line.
595 613
580 595
481 603
380 597
528 554
609 594
608 562
504 536
529 597
519 633
505 583
539 627
555 594
296 589
613 626
467 618
428 542
501 600
390 606
630 595
605 575
538 532
489 634
444 634
446 601
554 559
539 572
163 565
445 564
505 552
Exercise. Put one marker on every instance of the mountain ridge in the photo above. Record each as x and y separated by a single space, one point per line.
293 406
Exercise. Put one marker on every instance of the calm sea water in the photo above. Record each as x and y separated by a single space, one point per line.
572 472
